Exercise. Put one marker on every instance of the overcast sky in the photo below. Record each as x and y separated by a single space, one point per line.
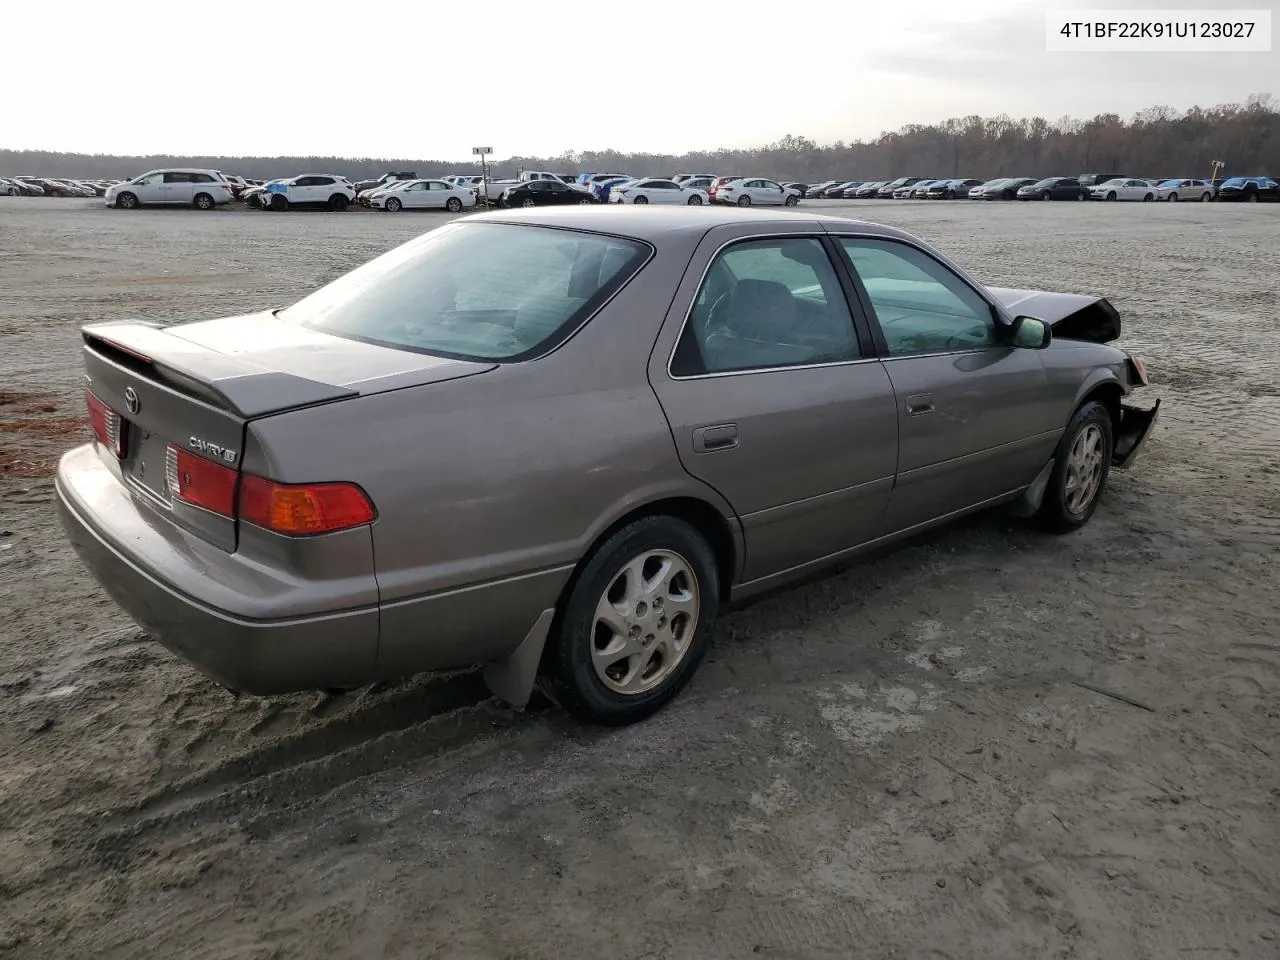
237 78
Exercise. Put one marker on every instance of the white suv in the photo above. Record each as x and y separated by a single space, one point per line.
325 190
202 189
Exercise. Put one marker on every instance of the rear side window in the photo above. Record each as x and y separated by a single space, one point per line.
766 304
479 291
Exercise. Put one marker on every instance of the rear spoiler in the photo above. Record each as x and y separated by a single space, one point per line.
1073 316
222 381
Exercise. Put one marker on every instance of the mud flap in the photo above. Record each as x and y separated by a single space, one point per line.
1135 427
511 679
1029 503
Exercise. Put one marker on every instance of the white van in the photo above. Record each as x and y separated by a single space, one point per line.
202 189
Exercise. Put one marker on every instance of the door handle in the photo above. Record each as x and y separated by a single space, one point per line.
720 436
920 405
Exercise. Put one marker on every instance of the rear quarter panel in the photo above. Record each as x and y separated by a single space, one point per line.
490 488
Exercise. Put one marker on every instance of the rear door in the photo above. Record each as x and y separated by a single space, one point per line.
773 397
177 188
975 419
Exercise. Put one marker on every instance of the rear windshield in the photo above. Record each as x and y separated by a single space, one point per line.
479 291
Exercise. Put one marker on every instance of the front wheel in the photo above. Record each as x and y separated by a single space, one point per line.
1173 198
744 201
635 625
393 205
792 200
127 201
1148 198
1111 195
695 201
1252 198
1205 197
338 202
279 202
1046 195
584 202
453 205
1081 465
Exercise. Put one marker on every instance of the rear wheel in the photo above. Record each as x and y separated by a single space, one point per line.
584 202
635 625
1046 195
338 202
1205 197
453 205
1252 196
127 201
1148 198
203 201
527 202
744 201
1081 465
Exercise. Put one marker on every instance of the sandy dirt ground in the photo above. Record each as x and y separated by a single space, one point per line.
908 759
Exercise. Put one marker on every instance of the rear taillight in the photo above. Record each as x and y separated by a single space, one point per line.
302 509
200 482
110 429
292 509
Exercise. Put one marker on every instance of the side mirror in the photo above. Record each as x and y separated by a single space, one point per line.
1031 333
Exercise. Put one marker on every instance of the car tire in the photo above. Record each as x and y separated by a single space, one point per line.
1205 197
1084 194
393 205
792 200
1111 195
744 201
127 201
1148 198
453 205
279 202
1251 197
1173 198
1047 195
527 202
202 201
1081 460
640 200
695 201
584 202
338 202
658 558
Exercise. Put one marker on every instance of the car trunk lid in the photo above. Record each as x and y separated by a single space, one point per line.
192 389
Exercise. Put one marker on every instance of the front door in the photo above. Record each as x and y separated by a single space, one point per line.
773 401
150 189
974 417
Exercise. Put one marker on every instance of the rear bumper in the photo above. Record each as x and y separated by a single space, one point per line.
126 551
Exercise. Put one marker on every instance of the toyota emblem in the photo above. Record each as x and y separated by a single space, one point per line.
131 400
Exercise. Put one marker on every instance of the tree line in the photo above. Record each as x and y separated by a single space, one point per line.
1157 141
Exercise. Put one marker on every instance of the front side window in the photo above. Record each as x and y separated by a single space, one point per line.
921 306
477 291
764 304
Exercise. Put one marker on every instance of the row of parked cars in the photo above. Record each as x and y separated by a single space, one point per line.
1089 186
53 187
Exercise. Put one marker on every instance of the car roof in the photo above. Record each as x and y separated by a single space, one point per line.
653 224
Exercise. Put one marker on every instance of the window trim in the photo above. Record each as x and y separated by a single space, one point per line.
855 308
877 333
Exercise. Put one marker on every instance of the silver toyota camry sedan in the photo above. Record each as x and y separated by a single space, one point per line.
559 443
